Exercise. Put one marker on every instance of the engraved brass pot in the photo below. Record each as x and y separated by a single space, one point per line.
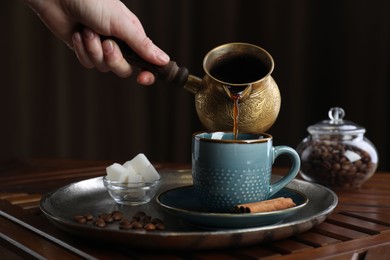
260 103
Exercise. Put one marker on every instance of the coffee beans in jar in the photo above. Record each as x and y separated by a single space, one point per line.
336 165
336 154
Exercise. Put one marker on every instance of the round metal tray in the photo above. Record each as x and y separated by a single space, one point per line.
90 196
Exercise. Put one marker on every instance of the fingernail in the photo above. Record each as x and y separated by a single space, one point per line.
76 37
88 34
163 57
144 80
76 40
107 46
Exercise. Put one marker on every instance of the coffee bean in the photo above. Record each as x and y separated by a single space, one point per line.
107 218
150 227
160 226
117 215
89 217
137 225
125 221
125 224
100 222
80 219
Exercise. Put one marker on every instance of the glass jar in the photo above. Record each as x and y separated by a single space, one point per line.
336 154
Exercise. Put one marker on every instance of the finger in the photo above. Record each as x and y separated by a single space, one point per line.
146 78
114 59
134 35
93 45
149 51
80 51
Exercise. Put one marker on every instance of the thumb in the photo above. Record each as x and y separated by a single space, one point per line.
150 52
117 20
134 35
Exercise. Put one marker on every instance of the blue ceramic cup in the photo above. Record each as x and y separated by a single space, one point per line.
228 171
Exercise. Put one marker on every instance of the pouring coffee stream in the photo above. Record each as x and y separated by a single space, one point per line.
237 89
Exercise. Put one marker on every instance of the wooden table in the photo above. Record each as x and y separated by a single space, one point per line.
359 228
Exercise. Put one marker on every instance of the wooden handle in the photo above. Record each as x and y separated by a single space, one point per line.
170 72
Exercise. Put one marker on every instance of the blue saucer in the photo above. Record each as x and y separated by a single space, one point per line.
183 203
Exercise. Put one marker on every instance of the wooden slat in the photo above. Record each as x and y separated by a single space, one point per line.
374 202
360 208
214 255
347 248
49 180
48 175
288 246
356 224
315 239
41 175
7 252
378 252
339 232
382 218
257 252
31 243
25 198
8 195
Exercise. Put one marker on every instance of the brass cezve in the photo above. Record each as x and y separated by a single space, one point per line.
259 106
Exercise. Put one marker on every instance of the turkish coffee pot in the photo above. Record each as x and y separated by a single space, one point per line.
232 70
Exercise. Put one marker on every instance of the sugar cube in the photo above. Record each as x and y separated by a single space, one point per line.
149 174
139 162
116 172
129 167
134 180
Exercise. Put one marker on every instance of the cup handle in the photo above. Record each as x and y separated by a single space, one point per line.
291 174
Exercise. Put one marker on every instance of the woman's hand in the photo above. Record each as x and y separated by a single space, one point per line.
80 22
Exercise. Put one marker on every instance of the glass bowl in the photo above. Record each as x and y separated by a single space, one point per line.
131 193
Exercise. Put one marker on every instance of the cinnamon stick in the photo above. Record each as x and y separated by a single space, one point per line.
265 206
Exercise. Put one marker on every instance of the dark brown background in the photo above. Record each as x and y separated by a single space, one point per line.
327 53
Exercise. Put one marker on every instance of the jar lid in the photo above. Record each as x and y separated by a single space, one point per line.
336 124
